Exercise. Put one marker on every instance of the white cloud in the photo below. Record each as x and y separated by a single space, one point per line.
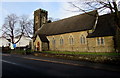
107 10
66 6
31 16
66 10
41 5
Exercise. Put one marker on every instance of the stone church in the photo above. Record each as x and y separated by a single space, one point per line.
87 32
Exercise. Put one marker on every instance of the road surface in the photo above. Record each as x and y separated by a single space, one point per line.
14 66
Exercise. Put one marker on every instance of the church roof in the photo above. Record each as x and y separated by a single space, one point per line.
73 24
42 37
104 27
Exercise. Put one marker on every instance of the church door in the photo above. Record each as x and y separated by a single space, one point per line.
38 46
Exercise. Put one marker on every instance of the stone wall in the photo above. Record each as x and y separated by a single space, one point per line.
90 44
35 43
108 45
45 46
66 44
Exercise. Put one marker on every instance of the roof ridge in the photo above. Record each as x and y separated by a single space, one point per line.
75 23
72 16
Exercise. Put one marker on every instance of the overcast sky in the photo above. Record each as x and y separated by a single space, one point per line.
55 8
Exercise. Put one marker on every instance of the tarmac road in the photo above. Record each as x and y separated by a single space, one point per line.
14 66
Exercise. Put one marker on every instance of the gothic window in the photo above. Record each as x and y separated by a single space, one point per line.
82 39
71 40
100 41
53 41
61 41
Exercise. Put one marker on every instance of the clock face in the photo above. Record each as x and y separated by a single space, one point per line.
36 19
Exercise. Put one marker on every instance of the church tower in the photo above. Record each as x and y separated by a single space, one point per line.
40 18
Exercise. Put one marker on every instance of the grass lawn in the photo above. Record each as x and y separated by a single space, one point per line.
82 53
107 58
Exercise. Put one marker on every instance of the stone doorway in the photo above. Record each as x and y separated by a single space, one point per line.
38 46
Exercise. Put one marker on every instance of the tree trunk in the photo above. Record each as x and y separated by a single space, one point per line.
117 27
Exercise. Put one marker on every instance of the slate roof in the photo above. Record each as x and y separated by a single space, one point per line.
43 38
73 24
104 27
82 22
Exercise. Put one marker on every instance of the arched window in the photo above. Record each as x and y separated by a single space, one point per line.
100 41
71 40
53 41
82 39
61 41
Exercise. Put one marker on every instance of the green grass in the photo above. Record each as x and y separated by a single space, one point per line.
82 53
18 51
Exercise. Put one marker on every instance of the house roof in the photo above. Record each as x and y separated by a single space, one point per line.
2 37
104 27
73 24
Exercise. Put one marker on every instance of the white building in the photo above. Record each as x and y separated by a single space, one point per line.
24 41
4 42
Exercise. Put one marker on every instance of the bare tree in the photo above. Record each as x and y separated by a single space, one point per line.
100 5
53 19
16 26
27 25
